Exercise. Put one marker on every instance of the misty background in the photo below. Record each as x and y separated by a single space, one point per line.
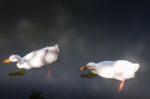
86 31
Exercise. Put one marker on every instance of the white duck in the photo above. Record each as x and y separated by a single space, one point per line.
119 70
35 59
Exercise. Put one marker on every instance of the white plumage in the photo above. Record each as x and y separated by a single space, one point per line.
120 69
36 58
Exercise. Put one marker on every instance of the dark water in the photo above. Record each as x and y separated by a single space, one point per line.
86 31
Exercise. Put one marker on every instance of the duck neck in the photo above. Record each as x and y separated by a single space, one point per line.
20 63
92 68
94 71
20 60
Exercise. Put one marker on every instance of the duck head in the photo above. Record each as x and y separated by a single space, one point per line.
12 59
90 66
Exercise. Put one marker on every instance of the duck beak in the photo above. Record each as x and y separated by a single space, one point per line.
7 61
83 68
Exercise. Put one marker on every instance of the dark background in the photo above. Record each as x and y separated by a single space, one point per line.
86 31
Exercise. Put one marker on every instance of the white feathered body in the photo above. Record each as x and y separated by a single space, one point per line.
120 69
39 58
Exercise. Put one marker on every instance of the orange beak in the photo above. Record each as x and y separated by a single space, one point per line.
7 61
83 68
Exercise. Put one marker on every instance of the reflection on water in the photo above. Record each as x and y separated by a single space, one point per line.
89 75
36 95
20 72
